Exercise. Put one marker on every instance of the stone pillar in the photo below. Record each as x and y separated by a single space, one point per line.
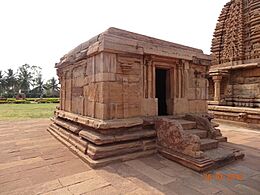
217 81
150 81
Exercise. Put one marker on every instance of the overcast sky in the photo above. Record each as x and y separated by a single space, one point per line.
40 32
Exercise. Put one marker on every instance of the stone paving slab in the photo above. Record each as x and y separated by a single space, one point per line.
34 162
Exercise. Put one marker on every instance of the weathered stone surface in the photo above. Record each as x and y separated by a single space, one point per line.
99 152
67 125
171 135
101 139
208 144
205 124
98 123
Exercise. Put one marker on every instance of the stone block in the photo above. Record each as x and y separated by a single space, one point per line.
105 77
116 110
197 106
110 62
91 108
181 106
101 111
78 105
149 107
133 110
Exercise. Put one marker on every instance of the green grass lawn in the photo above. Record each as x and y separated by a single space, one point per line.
26 111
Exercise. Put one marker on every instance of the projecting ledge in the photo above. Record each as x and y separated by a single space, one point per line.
217 68
99 123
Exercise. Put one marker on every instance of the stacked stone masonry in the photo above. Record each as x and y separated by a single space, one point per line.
113 76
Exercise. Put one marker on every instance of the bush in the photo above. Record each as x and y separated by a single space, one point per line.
21 102
48 100
11 100
29 100
14 102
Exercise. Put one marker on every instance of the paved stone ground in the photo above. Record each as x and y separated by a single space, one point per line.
33 162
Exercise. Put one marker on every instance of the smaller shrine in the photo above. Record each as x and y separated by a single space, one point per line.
126 95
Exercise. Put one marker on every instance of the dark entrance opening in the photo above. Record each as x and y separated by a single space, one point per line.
161 91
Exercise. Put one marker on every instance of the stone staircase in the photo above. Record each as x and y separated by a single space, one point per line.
191 145
191 128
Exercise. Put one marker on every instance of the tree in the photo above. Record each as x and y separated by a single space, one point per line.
2 83
10 83
24 78
52 86
28 76
39 87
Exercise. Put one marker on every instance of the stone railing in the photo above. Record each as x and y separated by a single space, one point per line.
171 135
203 122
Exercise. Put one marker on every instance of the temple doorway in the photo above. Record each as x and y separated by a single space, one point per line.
161 75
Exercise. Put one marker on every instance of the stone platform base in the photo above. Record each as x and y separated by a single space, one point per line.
103 146
192 141
239 114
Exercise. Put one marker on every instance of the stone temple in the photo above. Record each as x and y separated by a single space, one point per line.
125 95
234 83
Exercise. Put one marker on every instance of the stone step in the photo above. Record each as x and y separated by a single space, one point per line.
101 139
67 125
211 159
223 153
208 144
187 124
198 132
221 139
98 152
215 124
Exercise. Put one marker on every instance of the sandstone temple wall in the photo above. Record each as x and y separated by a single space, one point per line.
111 85
244 88
113 76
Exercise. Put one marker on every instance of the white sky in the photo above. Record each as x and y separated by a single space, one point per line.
40 32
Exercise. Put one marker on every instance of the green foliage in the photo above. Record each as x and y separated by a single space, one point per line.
52 88
27 80
21 102
25 77
10 83
2 83
48 100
